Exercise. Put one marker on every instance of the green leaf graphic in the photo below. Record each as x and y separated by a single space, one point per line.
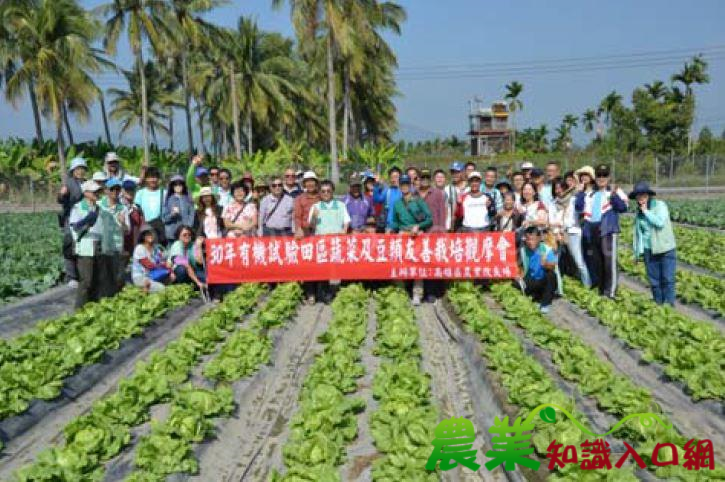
548 415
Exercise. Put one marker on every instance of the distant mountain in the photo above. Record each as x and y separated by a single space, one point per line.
413 133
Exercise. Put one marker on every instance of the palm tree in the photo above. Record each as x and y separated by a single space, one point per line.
187 34
609 104
588 119
693 73
656 89
312 18
54 38
145 21
10 58
127 106
513 91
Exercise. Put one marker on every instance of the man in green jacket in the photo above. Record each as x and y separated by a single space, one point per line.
655 241
197 176
411 215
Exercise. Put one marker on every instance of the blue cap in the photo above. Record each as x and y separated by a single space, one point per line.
201 171
113 182
456 166
368 174
405 179
128 185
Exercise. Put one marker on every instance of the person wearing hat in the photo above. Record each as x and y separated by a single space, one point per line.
387 196
149 269
115 225
453 193
539 264
411 215
209 222
654 241
135 221
600 208
476 209
358 206
178 207
526 168
369 180
86 226
276 210
197 176
151 199
113 170
436 201
70 194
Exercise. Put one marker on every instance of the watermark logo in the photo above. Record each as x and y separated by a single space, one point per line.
454 439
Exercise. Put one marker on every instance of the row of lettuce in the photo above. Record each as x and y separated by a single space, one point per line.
529 385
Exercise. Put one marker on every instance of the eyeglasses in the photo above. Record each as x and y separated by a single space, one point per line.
277 184
326 191
289 175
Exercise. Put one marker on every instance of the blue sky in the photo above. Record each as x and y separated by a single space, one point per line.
474 32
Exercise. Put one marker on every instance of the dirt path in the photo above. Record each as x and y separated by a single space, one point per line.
362 452
703 419
248 445
459 388
42 425
692 311
21 315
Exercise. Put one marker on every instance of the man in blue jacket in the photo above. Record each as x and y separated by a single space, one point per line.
388 196
600 209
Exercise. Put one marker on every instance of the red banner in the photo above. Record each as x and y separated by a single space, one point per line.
362 257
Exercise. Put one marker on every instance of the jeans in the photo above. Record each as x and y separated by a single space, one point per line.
661 274
600 253
541 290
575 249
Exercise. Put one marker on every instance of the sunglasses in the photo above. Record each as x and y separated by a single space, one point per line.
277 184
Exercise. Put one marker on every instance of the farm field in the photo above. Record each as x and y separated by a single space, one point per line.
264 388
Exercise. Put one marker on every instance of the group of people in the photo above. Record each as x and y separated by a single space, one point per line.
563 224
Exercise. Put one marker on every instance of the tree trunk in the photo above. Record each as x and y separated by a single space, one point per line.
59 141
334 167
353 129
200 115
36 112
513 132
144 109
105 119
235 116
250 133
225 144
187 103
171 129
67 125
346 113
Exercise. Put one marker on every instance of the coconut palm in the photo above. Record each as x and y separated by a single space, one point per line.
570 121
143 20
187 30
127 106
54 38
513 91
656 89
326 20
10 59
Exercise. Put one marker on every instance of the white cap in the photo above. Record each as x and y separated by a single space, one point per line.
112 156
91 186
77 162
100 176
475 174
309 175
527 165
